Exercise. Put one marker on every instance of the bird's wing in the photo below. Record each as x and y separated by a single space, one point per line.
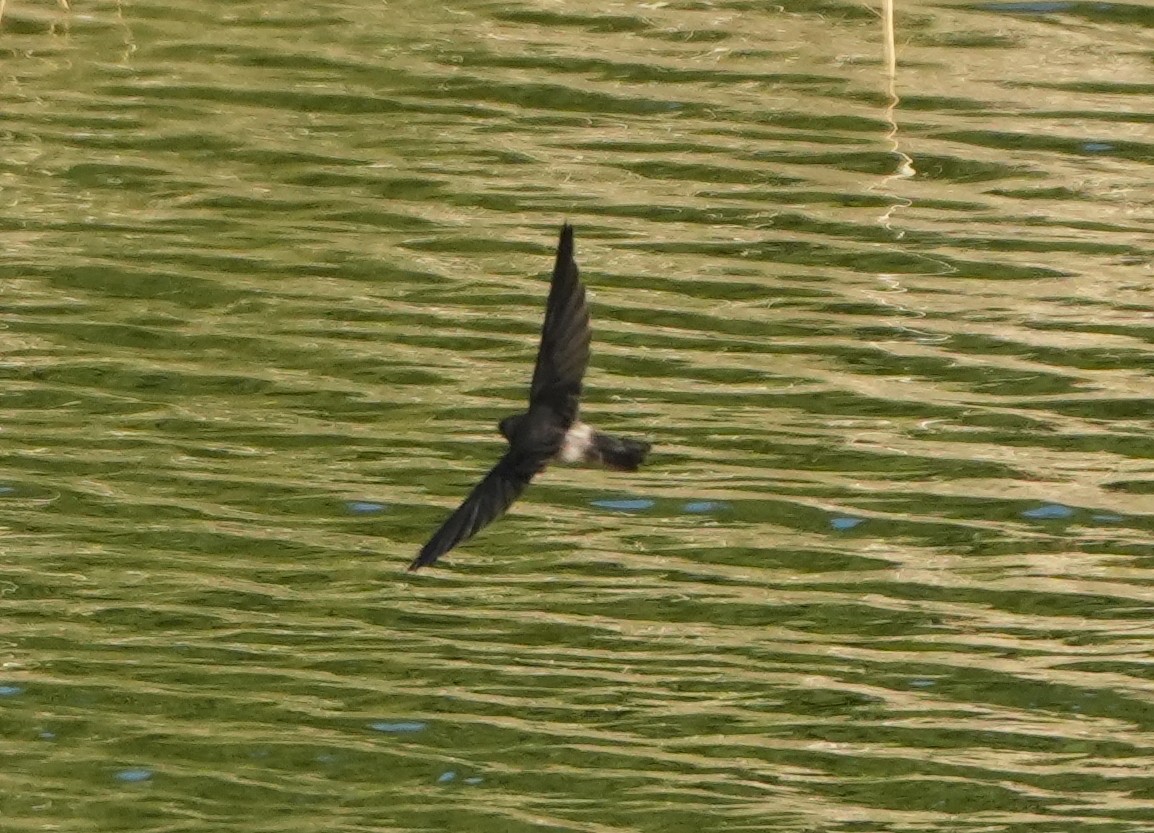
487 502
564 351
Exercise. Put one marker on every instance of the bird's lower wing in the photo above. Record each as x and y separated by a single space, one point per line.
487 502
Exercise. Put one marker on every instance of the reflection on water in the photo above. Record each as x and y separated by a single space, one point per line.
272 275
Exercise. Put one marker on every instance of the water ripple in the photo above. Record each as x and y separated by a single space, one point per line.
273 276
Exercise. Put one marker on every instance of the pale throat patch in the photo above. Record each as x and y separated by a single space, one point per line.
575 446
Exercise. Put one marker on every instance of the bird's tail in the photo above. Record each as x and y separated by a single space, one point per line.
618 452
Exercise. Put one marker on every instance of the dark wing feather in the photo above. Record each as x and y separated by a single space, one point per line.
564 352
487 502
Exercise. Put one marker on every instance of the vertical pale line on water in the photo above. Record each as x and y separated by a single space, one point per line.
905 164
129 39
905 167
888 34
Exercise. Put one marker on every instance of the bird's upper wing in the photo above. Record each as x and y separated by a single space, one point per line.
487 502
564 351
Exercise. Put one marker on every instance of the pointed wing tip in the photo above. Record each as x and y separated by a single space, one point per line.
565 243
429 553
424 558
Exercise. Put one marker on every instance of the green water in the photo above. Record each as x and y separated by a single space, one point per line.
271 274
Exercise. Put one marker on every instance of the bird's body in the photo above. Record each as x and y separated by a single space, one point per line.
550 430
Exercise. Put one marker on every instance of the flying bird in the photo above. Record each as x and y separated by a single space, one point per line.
550 431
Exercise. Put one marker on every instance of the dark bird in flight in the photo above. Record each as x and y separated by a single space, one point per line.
550 430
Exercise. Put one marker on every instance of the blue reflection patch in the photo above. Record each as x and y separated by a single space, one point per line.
1049 512
700 507
10 690
446 777
844 523
400 726
134 776
364 507
1107 518
624 504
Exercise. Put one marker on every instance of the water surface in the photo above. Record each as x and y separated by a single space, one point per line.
272 274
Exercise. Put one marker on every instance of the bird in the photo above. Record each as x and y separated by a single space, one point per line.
551 429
